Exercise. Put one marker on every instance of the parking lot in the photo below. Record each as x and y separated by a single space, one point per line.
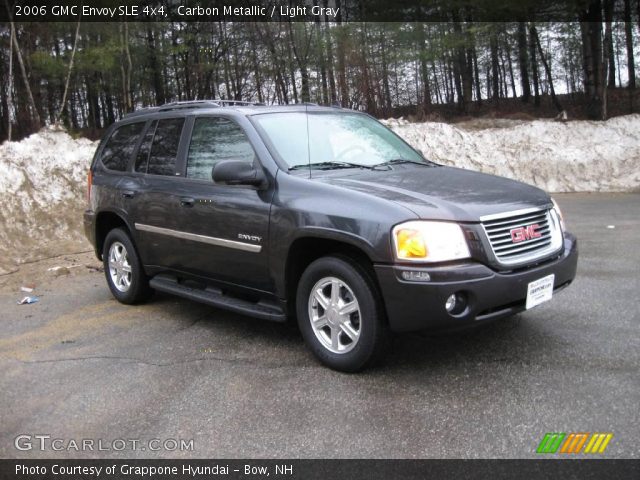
78 365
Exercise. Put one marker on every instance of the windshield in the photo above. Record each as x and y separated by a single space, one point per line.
345 139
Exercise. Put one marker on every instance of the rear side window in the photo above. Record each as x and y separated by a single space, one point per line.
143 152
119 148
214 140
164 148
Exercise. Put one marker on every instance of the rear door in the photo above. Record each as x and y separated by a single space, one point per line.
225 227
153 192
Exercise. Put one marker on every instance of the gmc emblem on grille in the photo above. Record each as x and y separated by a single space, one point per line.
521 234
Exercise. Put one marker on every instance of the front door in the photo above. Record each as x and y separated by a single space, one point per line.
224 227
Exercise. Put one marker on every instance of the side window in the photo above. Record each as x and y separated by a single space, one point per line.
119 148
164 149
142 159
214 140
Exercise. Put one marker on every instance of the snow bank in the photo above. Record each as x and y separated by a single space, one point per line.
577 156
42 196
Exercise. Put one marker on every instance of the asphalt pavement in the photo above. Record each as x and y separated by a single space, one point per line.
79 366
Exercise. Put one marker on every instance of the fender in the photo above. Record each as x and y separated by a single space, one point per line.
280 251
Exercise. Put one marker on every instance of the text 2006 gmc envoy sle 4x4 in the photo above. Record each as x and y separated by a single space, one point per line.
317 213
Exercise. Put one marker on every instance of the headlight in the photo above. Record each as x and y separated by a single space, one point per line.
560 216
423 241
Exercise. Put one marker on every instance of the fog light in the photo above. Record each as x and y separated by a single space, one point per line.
415 276
456 303
450 304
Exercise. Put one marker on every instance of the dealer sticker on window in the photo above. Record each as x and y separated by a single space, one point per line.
540 291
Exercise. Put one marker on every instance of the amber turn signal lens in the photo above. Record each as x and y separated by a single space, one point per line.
89 185
410 244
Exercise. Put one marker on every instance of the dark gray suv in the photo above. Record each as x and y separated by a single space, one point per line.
317 213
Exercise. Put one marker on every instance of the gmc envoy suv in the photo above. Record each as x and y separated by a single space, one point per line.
320 214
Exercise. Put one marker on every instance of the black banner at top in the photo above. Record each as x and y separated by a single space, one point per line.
292 10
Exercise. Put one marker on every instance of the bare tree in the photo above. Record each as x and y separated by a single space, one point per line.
523 60
125 68
495 76
66 84
545 64
628 31
10 92
301 39
23 70
607 49
591 29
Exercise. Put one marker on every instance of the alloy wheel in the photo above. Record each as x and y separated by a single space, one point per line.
335 315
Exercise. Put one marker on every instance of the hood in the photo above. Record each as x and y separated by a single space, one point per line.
440 193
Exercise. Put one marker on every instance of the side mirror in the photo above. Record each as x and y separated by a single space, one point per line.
237 172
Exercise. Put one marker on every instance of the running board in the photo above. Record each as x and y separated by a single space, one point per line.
215 298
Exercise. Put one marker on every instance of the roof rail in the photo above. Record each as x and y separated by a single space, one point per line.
236 102
192 104
188 104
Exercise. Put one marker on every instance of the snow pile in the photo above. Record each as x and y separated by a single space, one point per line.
576 156
42 196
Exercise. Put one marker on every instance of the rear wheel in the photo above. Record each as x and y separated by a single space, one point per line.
123 270
339 315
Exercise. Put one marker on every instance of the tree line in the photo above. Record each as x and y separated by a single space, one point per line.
87 75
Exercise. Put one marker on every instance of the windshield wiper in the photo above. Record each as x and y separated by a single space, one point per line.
397 161
330 165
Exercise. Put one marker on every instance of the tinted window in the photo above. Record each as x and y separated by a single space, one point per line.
120 146
143 152
164 149
214 140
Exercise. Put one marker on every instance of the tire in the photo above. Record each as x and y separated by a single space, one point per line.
122 268
348 340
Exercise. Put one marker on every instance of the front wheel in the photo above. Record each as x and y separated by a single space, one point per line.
339 316
123 270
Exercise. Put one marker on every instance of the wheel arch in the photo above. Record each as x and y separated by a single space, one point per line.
306 249
106 221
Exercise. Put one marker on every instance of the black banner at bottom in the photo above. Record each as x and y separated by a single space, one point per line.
560 469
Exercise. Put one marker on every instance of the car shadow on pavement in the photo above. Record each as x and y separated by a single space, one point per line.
515 340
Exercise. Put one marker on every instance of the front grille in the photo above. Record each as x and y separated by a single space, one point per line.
507 252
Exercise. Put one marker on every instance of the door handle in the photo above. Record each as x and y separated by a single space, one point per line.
187 202
128 194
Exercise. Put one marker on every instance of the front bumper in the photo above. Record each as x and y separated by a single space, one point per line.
415 306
